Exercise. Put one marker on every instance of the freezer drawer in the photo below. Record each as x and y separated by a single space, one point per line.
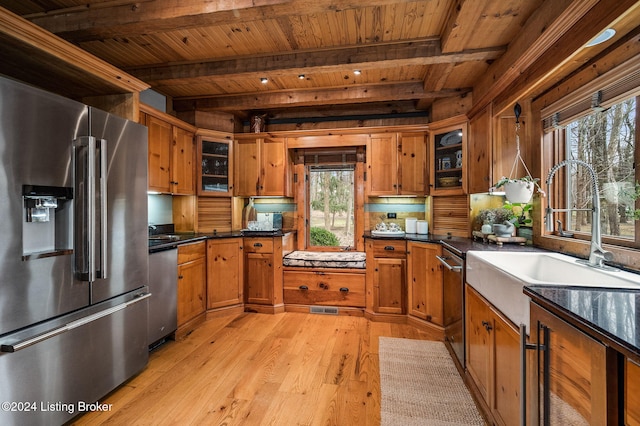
53 375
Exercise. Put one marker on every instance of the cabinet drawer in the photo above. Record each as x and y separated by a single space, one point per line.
389 248
189 252
258 245
324 288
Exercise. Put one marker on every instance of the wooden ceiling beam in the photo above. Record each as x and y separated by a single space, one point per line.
380 55
311 97
148 17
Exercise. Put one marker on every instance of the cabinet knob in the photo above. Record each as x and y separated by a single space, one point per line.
389 248
344 289
180 277
257 244
303 287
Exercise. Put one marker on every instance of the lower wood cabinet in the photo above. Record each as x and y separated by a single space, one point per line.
386 276
577 392
425 287
632 393
493 358
263 274
325 287
192 275
225 272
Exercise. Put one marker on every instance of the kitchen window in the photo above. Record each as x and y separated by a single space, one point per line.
599 126
330 208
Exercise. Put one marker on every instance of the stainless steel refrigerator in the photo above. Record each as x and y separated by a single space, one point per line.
73 254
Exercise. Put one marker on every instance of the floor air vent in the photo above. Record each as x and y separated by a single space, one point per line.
328 310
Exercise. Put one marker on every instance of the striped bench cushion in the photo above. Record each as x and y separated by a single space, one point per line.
326 259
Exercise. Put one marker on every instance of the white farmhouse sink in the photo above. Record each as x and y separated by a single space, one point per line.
500 276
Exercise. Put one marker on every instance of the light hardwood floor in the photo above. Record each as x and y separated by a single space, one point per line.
259 369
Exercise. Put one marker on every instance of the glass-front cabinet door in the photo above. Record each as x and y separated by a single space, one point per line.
215 156
448 152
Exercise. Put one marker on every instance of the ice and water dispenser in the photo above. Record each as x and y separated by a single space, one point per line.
47 227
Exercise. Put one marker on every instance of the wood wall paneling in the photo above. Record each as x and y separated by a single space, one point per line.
214 213
450 215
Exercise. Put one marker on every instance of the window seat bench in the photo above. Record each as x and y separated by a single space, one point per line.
325 279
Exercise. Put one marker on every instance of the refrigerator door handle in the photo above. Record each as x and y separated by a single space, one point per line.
14 347
102 147
85 222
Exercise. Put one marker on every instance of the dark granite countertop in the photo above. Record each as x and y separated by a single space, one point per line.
610 315
459 245
185 238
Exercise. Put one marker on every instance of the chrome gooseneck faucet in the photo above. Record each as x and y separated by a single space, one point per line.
597 254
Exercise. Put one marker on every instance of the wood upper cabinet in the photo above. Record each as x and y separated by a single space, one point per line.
159 154
192 275
424 276
215 166
382 164
577 367
171 156
275 168
493 358
225 272
479 150
247 167
631 393
386 276
183 156
396 164
413 163
263 166
448 157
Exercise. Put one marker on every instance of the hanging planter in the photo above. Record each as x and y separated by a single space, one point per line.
517 190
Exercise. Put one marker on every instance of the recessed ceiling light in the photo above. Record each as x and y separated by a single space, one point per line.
602 37
357 72
264 80
301 76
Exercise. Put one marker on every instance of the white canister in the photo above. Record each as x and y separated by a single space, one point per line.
410 225
422 227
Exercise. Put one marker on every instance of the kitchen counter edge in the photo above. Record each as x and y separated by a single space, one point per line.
551 298
458 245
157 246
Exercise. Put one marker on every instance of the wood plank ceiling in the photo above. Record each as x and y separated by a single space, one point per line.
211 55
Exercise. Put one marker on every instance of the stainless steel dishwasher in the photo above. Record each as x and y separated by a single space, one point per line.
163 286
453 280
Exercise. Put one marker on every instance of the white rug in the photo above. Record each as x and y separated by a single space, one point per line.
420 385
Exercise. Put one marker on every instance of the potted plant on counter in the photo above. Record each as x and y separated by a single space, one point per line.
486 218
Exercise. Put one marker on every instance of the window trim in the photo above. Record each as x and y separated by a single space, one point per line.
556 140
307 213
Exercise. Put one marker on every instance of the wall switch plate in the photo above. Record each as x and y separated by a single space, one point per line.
391 215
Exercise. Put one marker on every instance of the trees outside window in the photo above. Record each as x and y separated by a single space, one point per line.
331 200
606 140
